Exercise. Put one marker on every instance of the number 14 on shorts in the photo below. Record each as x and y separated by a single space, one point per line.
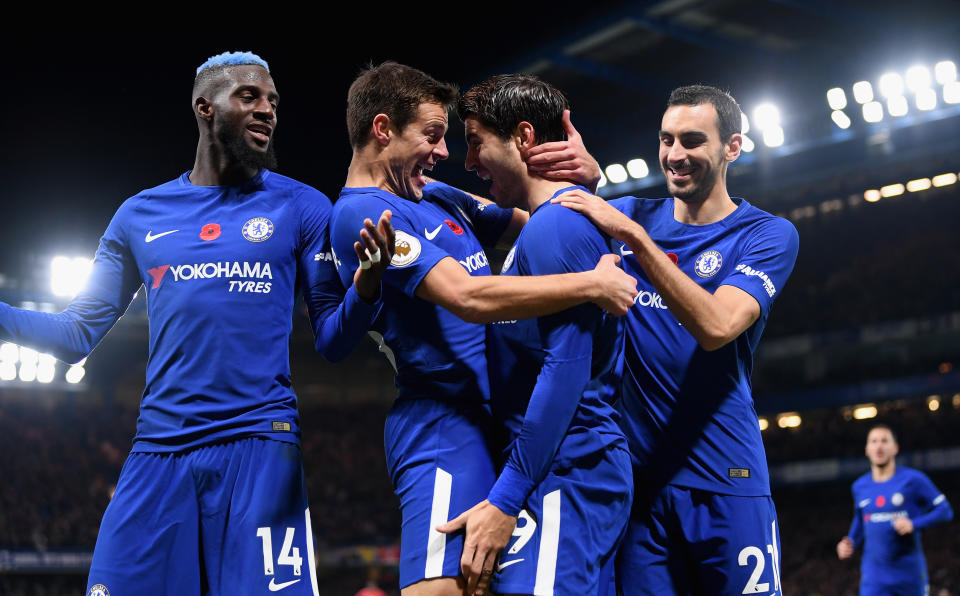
289 554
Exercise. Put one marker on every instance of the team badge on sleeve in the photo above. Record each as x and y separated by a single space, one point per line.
258 229
708 263
406 250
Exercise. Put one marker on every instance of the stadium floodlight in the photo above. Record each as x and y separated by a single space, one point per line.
897 105
46 368
872 196
766 115
747 144
75 374
945 72
773 136
951 92
603 180
944 179
28 355
926 99
918 77
836 98
744 123
956 400
637 168
933 402
892 190
28 372
840 119
764 423
863 92
918 185
873 111
891 85
789 420
8 371
69 276
864 412
616 173
9 353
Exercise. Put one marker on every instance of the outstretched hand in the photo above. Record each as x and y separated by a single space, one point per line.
488 531
374 251
616 289
565 160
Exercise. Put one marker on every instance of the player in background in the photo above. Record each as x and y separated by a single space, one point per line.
708 268
212 498
891 505
554 379
436 295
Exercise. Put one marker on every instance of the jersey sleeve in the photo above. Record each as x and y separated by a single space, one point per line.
489 222
339 319
73 333
567 338
767 261
856 526
414 257
933 502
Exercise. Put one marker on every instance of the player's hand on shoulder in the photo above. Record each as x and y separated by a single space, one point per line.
845 548
612 222
903 525
488 532
374 251
616 290
565 160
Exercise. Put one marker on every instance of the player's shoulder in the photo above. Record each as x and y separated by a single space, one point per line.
754 217
637 207
296 189
863 481
441 191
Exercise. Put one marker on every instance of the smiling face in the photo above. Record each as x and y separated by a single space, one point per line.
881 446
692 155
245 116
495 159
415 149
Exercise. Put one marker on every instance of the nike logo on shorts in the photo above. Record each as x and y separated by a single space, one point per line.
625 251
275 587
151 236
502 566
433 234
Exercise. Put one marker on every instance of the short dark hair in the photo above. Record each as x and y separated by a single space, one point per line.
504 101
728 111
884 425
395 90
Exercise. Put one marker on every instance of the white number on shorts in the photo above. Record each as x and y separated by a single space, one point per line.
289 555
523 533
752 586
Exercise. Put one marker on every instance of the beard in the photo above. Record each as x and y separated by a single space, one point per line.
239 152
697 192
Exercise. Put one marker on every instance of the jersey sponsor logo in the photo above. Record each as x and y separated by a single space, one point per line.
223 269
209 232
651 299
275 587
884 516
881 501
454 227
768 286
896 499
407 248
431 235
99 589
151 236
475 262
508 261
157 274
330 257
708 263
257 229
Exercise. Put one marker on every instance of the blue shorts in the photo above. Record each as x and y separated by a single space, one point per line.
229 518
689 541
874 588
440 464
569 529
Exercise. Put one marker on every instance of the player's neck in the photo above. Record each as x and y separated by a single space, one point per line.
538 191
212 168
883 473
367 169
715 207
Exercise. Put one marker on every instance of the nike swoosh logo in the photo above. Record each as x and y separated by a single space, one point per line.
433 234
274 587
151 236
624 251
502 566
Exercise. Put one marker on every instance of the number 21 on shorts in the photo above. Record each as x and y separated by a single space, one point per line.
753 554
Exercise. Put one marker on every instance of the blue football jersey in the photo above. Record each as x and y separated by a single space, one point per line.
436 355
554 380
889 558
220 266
688 413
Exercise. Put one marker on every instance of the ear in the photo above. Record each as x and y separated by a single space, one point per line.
203 107
524 136
382 129
732 149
